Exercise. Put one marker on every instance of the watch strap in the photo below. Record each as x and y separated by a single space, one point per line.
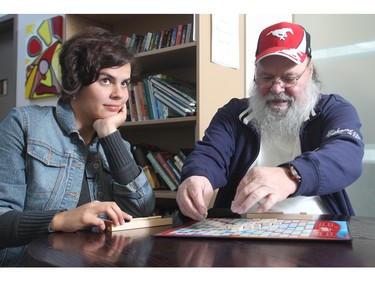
293 174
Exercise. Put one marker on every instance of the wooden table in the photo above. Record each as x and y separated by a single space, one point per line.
138 248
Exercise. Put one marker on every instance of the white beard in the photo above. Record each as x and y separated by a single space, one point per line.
273 124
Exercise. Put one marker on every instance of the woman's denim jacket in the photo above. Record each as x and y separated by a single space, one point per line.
43 160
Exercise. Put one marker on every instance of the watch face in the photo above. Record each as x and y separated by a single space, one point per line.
294 174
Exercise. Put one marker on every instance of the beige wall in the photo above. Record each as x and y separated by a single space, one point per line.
350 74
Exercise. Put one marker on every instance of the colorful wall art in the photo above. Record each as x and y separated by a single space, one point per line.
42 64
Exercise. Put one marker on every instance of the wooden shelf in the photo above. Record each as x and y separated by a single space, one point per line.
165 194
170 134
181 56
169 122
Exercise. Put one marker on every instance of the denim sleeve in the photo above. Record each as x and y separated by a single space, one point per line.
137 198
13 185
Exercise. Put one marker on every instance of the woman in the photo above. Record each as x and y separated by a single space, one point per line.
66 167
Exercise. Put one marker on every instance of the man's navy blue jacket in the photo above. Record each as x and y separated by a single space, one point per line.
331 158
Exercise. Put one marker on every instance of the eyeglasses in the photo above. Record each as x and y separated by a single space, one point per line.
287 82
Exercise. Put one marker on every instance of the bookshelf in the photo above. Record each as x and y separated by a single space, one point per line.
215 84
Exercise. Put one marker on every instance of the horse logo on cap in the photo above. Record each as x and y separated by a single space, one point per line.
281 33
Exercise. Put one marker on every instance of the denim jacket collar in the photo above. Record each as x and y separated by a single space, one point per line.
65 117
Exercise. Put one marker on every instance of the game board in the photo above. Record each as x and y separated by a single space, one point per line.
270 228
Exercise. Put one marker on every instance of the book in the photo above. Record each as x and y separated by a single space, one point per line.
142 47
128 117
127 40
154 178
156 105
139 43
149 101
178 162
175 94
175 170
147 42
179 34
139 155
141 159
184 152
177 100
161 108
162 39
162 159
178 108
183 37
174 36
132 42
155 44
169 38
151 177
132 106
137 100
183 91
143 101
152 41
158 169
164 110
189 33
149 90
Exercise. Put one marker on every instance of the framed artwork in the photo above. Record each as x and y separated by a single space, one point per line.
43 71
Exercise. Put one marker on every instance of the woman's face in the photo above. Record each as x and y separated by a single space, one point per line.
103 98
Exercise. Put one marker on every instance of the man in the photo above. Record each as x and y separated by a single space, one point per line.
287 148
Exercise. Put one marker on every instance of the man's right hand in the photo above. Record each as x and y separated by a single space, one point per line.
193 197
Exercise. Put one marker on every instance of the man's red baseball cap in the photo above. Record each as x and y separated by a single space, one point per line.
284 39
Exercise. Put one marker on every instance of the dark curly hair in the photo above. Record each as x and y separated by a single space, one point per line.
85 54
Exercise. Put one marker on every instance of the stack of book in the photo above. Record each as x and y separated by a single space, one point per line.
162 168
175 94
153 40
159 97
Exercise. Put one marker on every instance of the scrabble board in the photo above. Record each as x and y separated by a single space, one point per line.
269 228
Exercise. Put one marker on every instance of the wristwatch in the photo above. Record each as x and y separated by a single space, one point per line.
293 174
